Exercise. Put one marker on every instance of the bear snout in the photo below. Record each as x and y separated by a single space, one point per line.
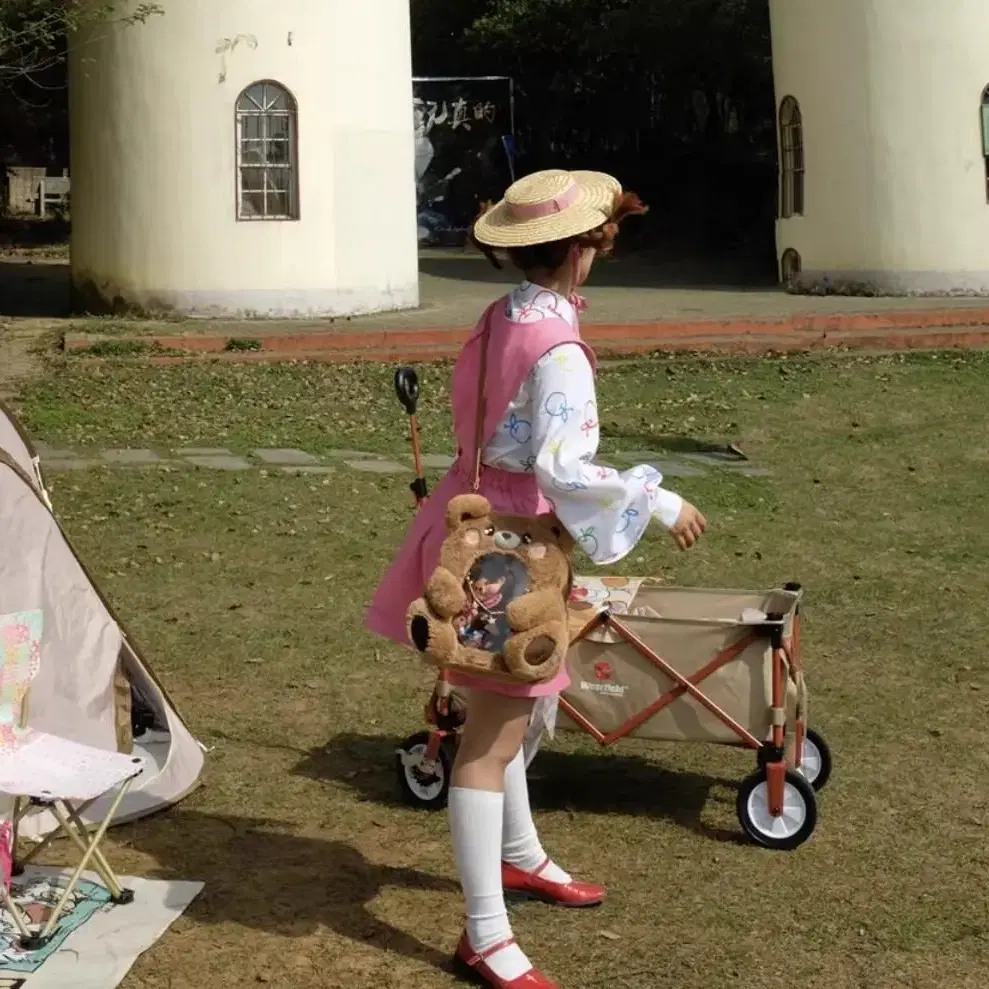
507 540
419 631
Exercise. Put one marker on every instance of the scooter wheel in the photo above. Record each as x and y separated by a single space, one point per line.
427 790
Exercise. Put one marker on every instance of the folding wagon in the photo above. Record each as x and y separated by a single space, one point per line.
673 664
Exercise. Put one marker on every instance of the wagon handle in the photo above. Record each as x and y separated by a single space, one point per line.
407 390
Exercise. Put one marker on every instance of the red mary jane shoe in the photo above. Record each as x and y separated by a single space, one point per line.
470 964
518 882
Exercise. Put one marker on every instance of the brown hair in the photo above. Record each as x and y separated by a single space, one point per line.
553 254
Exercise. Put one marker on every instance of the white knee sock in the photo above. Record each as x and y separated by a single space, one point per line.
519 841
475 826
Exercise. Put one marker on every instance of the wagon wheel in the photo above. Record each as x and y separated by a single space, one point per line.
427 790
815 760
791 828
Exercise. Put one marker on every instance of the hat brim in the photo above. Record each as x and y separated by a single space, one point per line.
594 206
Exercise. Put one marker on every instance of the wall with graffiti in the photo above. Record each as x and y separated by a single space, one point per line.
464 132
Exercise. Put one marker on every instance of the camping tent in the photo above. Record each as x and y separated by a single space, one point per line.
18 446
93 685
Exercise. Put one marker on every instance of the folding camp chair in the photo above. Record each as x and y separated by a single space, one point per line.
40 770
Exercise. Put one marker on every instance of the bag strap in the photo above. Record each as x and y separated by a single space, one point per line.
481 412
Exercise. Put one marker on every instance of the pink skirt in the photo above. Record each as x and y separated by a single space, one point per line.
406 578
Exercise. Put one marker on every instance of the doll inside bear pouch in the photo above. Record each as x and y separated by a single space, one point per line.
494 581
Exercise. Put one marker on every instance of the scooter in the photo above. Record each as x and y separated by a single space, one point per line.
424 761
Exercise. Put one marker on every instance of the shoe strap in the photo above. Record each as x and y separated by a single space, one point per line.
546 862
480 956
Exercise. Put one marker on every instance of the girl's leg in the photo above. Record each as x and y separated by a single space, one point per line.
528 870
492 737
520 842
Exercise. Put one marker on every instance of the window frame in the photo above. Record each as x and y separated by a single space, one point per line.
792 167
263 113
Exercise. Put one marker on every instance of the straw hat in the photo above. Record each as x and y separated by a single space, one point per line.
548 206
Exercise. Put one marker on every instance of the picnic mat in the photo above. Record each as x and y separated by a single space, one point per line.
96 943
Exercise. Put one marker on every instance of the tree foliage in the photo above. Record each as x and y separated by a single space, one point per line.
33 33
673 95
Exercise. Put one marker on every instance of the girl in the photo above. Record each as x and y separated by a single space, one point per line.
541 430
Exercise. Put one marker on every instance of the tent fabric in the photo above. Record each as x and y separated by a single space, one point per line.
15 441
91 674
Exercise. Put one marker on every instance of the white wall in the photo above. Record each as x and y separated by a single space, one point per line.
895 191
154 202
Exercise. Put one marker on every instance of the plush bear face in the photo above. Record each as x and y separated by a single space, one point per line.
540 543
496 603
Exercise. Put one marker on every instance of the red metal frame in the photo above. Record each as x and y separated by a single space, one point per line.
800 727
436 734
416 456
776 770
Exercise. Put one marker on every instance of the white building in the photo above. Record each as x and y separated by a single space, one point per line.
246 157
884 162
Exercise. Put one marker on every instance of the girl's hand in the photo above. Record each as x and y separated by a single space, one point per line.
689 526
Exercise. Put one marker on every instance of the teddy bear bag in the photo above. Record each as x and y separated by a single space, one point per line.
496 604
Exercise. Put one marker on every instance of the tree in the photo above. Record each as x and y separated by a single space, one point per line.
674 96
33 33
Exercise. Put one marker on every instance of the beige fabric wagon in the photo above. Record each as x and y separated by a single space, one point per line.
625 630
673 664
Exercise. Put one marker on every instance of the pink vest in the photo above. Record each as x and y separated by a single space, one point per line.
513 351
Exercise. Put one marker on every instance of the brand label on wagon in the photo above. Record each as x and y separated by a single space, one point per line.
604 676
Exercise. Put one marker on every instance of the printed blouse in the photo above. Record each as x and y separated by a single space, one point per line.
551 429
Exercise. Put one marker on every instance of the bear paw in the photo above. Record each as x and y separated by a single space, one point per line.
445 594
419 632
434 638
539 650
537 654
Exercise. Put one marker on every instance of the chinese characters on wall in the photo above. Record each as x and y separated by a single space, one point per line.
463 130
458 114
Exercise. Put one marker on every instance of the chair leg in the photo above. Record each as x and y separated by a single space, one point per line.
50 838
90 847
25 806
78 833
20 921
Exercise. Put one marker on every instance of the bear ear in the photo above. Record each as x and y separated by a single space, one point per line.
466 508
554 527
563 538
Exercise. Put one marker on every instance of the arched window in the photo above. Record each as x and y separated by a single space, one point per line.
267 166
791 159
985 135
790 266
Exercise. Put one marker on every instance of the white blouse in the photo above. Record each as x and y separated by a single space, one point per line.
551 428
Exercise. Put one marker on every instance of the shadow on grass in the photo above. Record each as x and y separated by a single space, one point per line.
596 784
34 288
263 878
676 444
20 232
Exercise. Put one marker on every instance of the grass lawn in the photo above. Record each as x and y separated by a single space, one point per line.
247 591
